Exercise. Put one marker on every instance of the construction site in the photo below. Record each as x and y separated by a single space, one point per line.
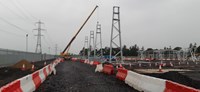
96 57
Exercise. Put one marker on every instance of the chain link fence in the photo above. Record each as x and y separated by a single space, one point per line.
10 57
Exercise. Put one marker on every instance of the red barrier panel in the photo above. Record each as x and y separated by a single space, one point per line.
96 63
108 69
121 74
82 61
175 87
74 59
62 60
36 79
12 87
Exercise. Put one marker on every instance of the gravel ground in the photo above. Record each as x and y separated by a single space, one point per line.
80 77
9 74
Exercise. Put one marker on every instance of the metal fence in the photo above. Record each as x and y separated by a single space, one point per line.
10 57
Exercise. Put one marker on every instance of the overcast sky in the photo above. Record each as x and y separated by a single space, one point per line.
148 23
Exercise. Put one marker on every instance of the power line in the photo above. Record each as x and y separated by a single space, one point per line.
50 40
20 10
47 43
13 12
26 10
11 33
13 25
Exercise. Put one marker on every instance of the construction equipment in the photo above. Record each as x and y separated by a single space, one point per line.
65 51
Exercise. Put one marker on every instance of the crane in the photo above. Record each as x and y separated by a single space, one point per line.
65 51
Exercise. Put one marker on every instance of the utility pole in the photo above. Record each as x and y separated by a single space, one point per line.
98 43
26 42
116 34
39 35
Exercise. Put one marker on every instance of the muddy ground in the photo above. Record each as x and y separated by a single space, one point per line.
9 74
80 77
190 78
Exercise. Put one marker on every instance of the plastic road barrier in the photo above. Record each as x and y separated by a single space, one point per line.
99 68
121 74
108 69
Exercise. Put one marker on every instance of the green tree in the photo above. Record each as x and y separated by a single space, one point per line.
198 50
177 48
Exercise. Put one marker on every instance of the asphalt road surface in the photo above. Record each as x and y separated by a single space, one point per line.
80 77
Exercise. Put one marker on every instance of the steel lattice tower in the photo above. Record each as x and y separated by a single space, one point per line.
98 44
85 45
39 35
116 34
91 41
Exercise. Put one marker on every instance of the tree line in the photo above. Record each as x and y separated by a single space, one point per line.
133 50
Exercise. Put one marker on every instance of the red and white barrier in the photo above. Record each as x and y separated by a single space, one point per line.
151 84
74 59
121 73
91 62
144 83
96 63
27 85
32 81
175 87
108 69
12 87
99 68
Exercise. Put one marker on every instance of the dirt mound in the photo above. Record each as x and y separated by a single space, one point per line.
20 64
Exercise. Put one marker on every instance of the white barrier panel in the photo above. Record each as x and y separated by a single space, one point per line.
99 68
145 83
53 69
85 60
133 80
27 84
48 72
152 84
41 74
91 63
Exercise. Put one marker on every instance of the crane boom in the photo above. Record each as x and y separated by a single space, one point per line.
68 45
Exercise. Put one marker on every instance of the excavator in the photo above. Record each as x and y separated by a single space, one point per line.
65 53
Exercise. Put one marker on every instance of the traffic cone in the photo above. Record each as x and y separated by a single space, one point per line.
45 63
120 65
23 67
33 68
139 64
160 68
171 64
130 65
